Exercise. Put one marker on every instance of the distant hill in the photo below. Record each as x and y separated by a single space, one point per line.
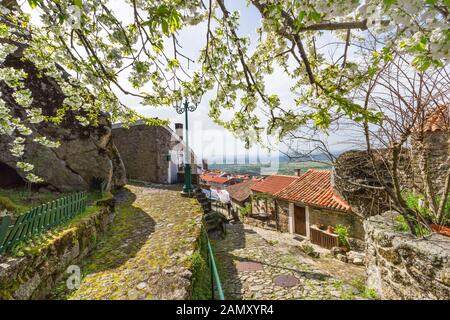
284 167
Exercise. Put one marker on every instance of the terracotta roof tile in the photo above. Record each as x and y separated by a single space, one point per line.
220 179
241 191
314 188
273 184
438 120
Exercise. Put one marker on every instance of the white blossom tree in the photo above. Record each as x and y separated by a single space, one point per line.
94 45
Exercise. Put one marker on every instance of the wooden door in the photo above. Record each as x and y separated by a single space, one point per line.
300 220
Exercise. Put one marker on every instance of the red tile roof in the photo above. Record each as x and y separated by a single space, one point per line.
209 176
314 188
273 184
220 179
241 191
438 120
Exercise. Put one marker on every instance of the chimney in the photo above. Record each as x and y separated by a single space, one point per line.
298 172
179 130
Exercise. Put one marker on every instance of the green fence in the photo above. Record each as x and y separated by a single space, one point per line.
215 279
40 219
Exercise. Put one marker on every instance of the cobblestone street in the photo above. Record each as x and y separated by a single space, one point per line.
146 252
262 264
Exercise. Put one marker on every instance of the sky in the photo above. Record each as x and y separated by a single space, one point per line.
208 139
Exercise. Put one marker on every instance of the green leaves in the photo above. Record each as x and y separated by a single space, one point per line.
388 4
34 3
164 17
78 3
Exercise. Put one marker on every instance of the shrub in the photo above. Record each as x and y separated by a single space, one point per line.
415 202
342 232
400 224
246 211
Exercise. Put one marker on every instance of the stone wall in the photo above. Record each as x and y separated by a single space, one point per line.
34 275
401 266
144 151
436 148
283 215
333 218
274 207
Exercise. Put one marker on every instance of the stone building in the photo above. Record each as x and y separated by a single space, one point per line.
240 195
313 202
153 153
305 205
431 148
267 210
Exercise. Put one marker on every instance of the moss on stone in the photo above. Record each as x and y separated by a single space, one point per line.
142 254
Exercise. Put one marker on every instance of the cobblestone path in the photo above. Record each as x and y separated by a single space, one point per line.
146 252
321 278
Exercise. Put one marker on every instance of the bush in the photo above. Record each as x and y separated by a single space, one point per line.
400 224
246 211
342 232
416 202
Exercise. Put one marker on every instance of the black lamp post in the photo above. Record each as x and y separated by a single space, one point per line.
186 107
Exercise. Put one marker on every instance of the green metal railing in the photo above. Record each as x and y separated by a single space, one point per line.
214 274
40 219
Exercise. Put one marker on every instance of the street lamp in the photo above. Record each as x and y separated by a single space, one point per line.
185 108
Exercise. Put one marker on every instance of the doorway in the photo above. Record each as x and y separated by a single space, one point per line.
300 220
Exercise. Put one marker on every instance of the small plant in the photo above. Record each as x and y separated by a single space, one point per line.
342 233
370 294
417 203
400 224
363 290
246 211
309 250
273 242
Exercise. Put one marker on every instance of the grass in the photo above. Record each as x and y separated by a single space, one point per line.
34 246
18 201
201 271
363 290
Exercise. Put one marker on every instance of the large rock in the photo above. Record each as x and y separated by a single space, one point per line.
356 181
85 152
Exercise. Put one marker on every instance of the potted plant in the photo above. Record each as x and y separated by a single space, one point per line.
342 233
330 229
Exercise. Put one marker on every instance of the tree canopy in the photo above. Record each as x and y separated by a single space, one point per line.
96 46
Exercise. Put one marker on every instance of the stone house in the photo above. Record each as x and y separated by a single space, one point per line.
304 205
153 153
240 195
268 211
312 201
